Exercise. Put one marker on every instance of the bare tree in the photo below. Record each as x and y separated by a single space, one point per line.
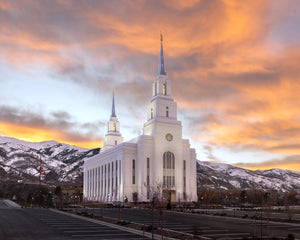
290 199
157 201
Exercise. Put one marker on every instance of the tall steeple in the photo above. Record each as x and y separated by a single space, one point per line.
113 136
162 86
113 114
162 109
161 59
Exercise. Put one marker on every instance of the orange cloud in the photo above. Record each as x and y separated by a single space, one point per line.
4 5
287 166
32 134
217 56
290 162
228 24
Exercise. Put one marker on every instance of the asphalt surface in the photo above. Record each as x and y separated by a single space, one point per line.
18 224
208 226
251 213
32 224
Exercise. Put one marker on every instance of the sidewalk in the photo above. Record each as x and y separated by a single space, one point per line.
11 204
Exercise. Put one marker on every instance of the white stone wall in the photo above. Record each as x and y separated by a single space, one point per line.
94 189
193 176
111 140
144 151
129 153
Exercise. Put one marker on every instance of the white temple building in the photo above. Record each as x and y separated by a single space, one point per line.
157 163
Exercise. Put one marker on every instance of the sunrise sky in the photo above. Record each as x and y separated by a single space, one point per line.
234 67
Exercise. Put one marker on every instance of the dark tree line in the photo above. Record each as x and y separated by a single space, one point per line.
255 197
29 195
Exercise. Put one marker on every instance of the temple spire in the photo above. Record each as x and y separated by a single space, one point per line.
161 59
113 114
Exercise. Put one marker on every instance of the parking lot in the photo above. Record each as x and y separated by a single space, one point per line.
17 223
32 224
207 226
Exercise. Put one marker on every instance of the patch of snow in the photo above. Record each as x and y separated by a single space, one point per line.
20 144
235 183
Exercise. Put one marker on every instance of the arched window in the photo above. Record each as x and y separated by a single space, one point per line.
114 127
167 111
164 89
168 170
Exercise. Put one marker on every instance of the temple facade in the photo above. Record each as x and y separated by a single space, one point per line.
158 163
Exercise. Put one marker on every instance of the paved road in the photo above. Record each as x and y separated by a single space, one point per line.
32 224
29 224
209 226
251 213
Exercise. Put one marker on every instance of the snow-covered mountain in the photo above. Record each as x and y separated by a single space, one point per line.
225 176
20 160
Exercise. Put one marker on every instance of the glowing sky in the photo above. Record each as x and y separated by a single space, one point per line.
234 67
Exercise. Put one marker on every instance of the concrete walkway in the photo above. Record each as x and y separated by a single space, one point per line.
11 204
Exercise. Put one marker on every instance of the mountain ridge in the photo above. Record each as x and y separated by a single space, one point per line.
62 163
225 176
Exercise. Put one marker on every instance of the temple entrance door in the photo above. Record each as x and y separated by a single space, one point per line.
169 195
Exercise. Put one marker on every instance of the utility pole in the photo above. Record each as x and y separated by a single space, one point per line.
40 182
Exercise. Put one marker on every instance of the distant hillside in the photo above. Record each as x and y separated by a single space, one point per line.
20 161
225 176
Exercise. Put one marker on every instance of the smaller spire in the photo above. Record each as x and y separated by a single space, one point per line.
161 59
113 114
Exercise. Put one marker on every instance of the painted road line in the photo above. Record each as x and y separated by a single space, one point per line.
214 230
178 226
182 227
72 224
91 231
191 226
106 235
75 223
121 238
80 229
122 228
226 235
